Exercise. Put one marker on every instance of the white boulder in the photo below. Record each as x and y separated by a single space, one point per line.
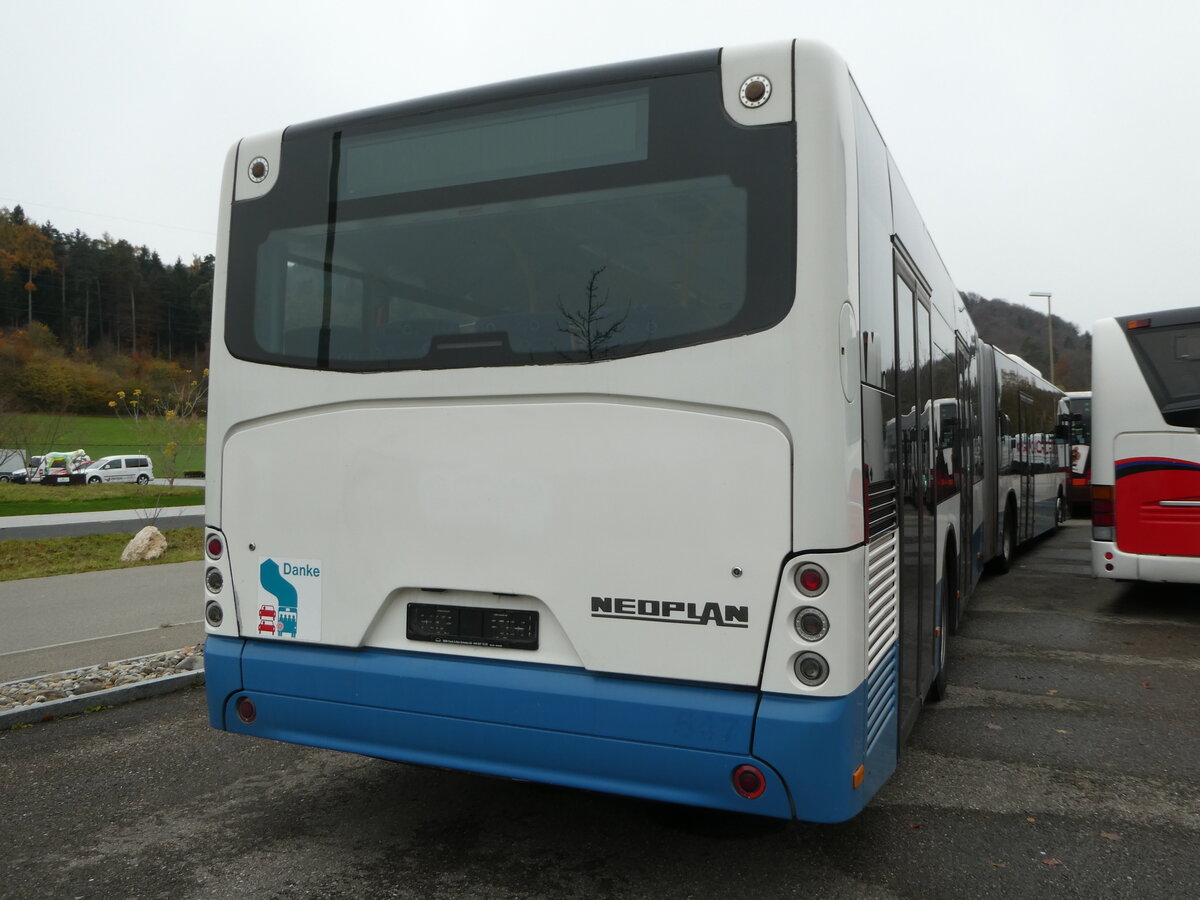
149 543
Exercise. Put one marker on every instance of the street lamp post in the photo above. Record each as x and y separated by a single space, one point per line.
1049 329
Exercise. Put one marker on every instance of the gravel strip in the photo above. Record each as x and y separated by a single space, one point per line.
32 692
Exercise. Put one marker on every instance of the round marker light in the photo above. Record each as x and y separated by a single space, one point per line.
755 91
749 782
214 580
245 710
258 169
811 580
811 669
215 547
213 614
811 624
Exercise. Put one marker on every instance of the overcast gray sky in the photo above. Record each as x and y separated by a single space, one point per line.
1050 145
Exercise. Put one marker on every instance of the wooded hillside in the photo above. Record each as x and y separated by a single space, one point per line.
1021 331
102 295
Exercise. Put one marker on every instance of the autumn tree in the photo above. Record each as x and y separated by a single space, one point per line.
25 249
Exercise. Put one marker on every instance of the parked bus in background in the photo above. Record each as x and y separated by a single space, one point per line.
659 344
1027 495
1079 481
1146 446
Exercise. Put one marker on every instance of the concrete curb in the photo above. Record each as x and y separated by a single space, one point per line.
114 696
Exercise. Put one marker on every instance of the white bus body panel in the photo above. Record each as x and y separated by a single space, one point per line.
730 395
546 501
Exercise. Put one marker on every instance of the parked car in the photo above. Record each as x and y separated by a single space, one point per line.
119 468
21 476
11 461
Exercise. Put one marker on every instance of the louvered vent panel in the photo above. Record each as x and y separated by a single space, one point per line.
883 618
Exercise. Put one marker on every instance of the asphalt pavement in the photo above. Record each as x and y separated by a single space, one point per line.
1064 762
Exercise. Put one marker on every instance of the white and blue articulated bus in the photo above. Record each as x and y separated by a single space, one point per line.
665 440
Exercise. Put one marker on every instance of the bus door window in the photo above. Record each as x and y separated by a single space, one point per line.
914 385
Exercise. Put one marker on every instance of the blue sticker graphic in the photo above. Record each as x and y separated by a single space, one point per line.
288 601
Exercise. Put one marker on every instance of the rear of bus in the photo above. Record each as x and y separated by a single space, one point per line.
1079 424
584 350
1146 447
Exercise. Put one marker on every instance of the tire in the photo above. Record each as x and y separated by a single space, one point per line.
1061 511
1008 544
4 479
143 478
95 479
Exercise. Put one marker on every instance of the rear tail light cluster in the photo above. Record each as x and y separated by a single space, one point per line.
1104 513
811 624
214 579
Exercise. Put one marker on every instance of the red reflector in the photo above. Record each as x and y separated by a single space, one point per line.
215 547
749 782
1078 482
245 710
810 580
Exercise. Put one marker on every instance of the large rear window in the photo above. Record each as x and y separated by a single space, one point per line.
591 224
1169 356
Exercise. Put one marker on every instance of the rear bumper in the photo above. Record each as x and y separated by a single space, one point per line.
1109 562
678 743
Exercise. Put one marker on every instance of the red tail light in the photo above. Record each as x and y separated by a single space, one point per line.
1104 512
214 547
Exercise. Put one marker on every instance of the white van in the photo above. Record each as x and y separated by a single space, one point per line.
119 468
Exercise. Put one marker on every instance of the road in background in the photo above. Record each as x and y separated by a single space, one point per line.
114 521
69 621
1064 762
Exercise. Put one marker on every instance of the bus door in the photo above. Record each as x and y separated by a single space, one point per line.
917 553
1026 436
964 468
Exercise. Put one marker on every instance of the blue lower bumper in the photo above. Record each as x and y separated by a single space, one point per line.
670 742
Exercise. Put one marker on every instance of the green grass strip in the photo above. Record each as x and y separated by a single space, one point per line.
90 553
40 500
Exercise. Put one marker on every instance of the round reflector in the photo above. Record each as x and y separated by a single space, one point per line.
245 710
214 547
749 782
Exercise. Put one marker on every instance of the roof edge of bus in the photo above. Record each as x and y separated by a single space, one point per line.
609 73
1180 316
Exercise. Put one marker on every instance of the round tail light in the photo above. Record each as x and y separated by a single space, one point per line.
811 580
214 580
214 547
811 669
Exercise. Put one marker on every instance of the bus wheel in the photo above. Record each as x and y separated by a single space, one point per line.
1008 544
1060 511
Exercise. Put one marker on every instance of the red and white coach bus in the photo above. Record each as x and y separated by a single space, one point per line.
1146 446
